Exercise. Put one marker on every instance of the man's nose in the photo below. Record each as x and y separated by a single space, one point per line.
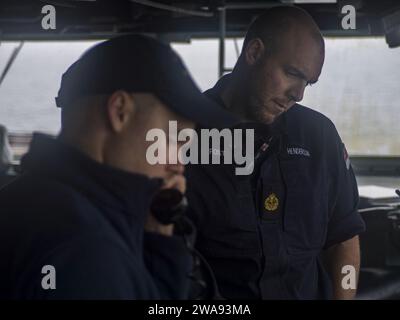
297 92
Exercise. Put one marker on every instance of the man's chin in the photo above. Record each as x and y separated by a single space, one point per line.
269 118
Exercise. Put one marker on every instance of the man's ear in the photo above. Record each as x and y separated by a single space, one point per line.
120 110
254 51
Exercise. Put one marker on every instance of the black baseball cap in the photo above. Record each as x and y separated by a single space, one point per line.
138 63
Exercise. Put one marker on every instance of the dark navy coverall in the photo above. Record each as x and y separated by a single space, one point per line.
86 220
263 234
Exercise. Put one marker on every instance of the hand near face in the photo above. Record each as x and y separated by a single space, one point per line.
174 180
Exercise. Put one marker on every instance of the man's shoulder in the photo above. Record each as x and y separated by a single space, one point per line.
303 113
302 119
28 189
44 204
44 213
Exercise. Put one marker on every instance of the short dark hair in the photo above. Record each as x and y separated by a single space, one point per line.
275 22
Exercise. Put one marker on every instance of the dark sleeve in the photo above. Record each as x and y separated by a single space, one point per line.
344 221
170 263
90 268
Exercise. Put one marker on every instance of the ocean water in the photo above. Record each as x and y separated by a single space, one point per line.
359 89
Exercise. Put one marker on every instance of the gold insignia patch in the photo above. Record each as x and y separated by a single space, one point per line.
271 203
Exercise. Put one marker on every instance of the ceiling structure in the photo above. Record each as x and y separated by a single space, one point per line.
176 20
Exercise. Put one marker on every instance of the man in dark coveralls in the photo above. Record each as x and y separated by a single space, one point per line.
287 230
72 226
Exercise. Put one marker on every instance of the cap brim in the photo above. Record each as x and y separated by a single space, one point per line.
190 103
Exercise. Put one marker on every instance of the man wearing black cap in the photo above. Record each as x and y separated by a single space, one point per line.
72 226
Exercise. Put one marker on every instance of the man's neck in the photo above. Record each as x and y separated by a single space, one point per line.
84 144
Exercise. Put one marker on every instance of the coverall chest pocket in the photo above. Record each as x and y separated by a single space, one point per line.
306 210
239 234
242 211
230 227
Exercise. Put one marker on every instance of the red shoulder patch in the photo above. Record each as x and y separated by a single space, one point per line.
346 157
